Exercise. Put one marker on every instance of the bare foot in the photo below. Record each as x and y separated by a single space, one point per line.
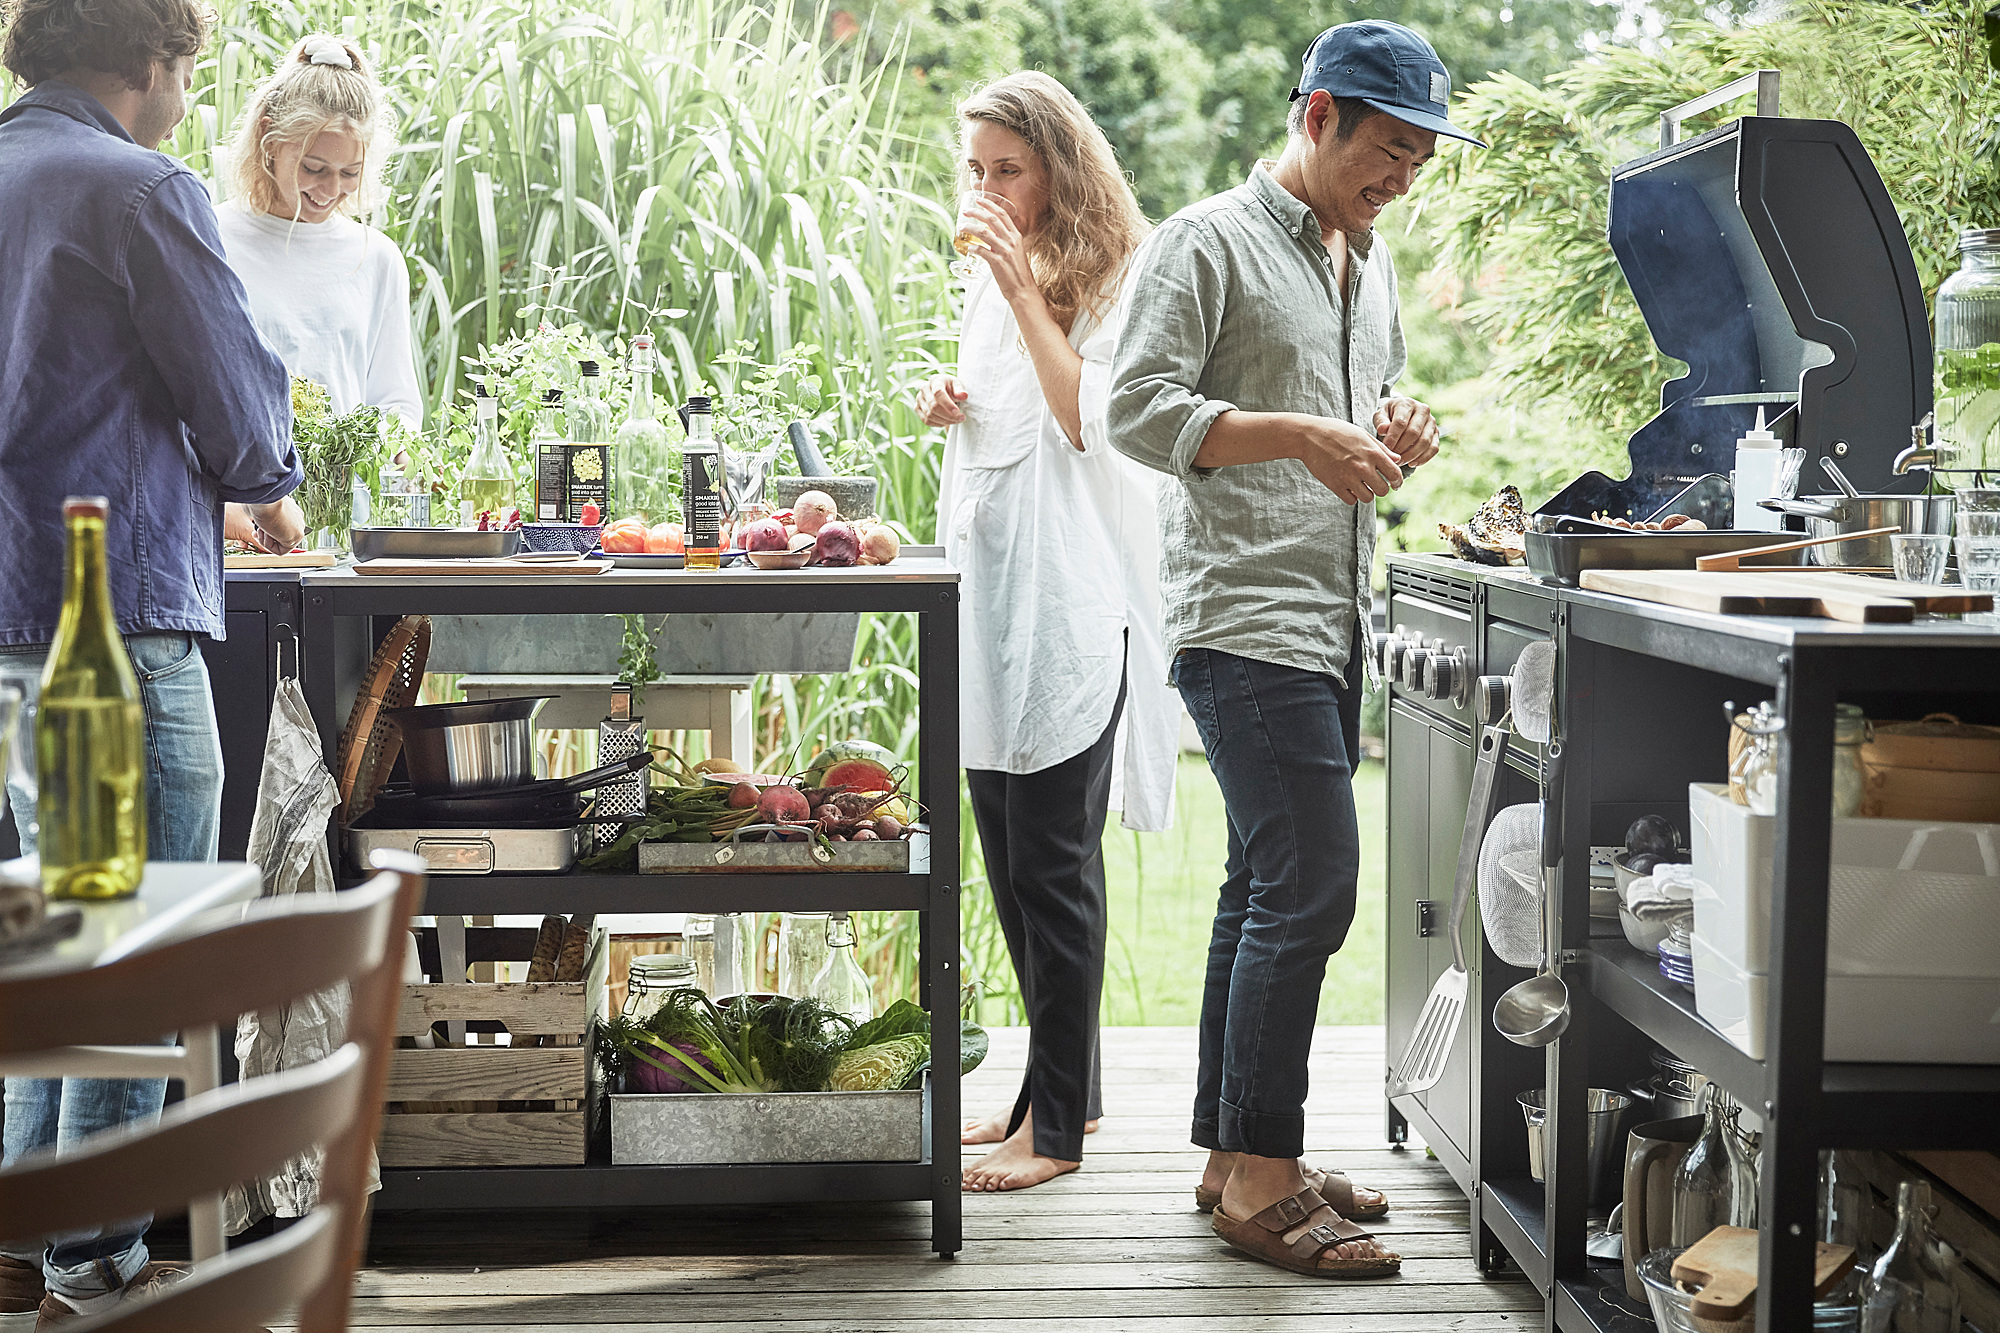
1215 1176
1255 1183
993 1129
1014 1165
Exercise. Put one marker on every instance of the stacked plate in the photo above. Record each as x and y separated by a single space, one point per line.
1677 955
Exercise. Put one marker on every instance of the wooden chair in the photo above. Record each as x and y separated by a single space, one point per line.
280 950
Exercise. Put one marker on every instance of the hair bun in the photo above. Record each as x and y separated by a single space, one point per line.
323 50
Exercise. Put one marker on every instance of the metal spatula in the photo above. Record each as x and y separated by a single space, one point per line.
1423 1063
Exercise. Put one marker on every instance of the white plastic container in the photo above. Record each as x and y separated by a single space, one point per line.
1907 898
1756 478
1878 1020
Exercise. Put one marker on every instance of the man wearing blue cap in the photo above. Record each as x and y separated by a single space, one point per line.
1257 365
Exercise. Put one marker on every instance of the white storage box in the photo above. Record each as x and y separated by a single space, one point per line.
1876 1019
1907 898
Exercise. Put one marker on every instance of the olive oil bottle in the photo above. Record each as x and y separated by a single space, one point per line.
90 732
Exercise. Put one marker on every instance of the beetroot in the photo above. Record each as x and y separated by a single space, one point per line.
782 805
865 834
766 534
742 795
642 1077
888 828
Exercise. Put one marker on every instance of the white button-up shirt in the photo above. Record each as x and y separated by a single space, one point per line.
1059 553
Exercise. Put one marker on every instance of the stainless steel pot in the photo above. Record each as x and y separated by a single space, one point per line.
452 749
1832 515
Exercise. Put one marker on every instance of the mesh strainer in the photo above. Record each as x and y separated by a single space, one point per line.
1510 878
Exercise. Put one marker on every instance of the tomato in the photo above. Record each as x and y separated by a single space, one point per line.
665 539
625 537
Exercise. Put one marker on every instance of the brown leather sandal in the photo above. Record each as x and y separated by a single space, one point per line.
1332 1186
1263 1237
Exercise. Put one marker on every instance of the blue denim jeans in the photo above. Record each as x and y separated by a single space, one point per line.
183 823
1283 744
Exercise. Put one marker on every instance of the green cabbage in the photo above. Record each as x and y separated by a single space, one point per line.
882 1067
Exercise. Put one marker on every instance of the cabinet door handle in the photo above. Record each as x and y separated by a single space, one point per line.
1428 913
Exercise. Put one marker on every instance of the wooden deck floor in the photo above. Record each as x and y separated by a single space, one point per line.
1115 1246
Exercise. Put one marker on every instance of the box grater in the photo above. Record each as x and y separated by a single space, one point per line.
619 736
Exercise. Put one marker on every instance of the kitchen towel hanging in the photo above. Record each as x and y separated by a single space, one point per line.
295 796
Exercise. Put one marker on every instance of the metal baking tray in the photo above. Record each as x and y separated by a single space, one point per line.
472 851
1562 557
434 543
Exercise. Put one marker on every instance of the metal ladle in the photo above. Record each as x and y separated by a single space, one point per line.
1536 1011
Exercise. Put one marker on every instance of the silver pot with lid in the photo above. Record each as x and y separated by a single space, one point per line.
1834 515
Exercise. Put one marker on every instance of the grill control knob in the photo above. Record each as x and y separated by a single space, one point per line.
1437 676
1413 668
1490 697
1448 677
1390 656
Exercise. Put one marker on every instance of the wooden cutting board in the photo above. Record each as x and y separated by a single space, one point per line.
1934 598
1850 599
1723 1266
480 568
294 560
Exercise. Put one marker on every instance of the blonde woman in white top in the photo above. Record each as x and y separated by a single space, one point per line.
1056 536
328 292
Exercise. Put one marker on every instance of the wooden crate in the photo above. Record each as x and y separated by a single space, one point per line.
522 1104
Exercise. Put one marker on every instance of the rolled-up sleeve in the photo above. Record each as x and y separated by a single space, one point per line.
188 306
1173 316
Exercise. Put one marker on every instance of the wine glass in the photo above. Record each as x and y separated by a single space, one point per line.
966 237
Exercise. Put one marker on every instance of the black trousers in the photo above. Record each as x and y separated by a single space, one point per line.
1042 834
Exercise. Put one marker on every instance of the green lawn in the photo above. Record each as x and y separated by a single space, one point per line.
1162 888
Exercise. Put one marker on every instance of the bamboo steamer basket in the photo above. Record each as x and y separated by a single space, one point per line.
1935 768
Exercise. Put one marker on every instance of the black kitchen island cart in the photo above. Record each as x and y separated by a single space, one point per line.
345 614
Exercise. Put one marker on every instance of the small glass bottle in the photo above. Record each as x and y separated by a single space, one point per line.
802 951
645 459
545 443
488 486
698 935
589 415
1910 1290
841 985
735 973
1968 354
652 978
701 489
1850 780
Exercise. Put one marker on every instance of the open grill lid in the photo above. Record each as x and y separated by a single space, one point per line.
1767 256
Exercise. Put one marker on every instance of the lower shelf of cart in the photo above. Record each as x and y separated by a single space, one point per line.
1600 1305
1518 1220
826 891
605 1186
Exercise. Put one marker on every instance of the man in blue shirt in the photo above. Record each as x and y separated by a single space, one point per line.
129 368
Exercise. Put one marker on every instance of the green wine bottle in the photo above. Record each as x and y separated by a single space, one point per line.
90 732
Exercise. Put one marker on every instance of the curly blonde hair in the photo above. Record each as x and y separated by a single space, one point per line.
1091 223
308 94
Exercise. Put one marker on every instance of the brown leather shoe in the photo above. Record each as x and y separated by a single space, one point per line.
154 1277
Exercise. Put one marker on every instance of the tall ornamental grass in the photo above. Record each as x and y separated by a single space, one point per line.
701 171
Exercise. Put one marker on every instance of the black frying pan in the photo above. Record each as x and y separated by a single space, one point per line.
551 801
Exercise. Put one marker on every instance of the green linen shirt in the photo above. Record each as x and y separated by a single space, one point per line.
1234 304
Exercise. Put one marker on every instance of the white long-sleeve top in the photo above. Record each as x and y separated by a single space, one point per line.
1059 552
333 300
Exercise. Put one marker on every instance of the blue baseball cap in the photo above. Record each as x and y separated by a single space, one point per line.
1387 66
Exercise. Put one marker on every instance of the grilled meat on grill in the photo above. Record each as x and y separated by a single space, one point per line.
1494 533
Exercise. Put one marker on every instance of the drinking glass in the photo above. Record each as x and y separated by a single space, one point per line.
1979 523
1979 571
965 237
17 750
1919 557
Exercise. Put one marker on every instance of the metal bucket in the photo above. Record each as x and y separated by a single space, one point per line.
1605 1110
454 749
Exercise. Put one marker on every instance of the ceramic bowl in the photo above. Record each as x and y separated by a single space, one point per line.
553 538
780 559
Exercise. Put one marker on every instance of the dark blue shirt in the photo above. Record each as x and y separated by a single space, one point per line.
129 368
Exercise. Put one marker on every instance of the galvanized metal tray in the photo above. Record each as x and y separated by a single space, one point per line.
433 543
473 851
1561 557
751 855
709 1128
